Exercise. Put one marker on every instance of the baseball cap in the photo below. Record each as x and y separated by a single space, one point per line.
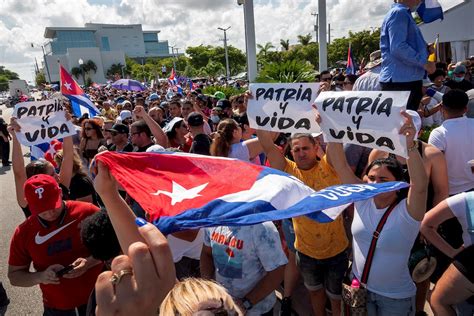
155 149
460 69
223 104
119 128
195 119
125 114
169 127
42 193
153 97
219 95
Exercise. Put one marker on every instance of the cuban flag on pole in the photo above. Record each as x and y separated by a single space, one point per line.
172 80
81 104
182 191
351 68
46 151
430 11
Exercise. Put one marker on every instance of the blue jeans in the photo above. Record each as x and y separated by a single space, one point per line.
289 233
378 305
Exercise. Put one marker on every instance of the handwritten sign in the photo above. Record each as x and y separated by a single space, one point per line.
369 119
283 107
42 121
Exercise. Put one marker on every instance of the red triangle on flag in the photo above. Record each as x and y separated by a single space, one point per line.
68 85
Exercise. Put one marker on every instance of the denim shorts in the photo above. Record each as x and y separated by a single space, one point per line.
382 305
323 273
289 233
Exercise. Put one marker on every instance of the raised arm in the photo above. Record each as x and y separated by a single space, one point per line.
275 156
120 214
65 173
254 147
337 159
160 136
417 194
18 164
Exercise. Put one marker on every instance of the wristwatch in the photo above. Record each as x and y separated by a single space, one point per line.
247 304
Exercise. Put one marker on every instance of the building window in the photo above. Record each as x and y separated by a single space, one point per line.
105 44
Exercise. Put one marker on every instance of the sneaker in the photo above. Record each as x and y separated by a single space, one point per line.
285 309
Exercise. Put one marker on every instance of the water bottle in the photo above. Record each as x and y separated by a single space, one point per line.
438 96
355 283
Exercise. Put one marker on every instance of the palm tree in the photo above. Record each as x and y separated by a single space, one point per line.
265 49
90 66
288 71
304 39
285 44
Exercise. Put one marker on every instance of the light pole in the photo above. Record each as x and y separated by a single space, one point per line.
227 70
249 22
323 48
316 15
174 62
81 65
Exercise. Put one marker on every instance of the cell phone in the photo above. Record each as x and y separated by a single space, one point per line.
64 270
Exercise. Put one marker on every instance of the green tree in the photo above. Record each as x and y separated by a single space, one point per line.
40 79
264 49
200 56
304 39
285 44
114 69
6 75
288 71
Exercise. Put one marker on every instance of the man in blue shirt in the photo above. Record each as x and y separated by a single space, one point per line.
404 52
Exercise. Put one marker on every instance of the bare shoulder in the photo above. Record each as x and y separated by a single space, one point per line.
431 152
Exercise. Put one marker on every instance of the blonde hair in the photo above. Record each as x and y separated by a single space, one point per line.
193 295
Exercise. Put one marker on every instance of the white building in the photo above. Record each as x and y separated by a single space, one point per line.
456 32
104 44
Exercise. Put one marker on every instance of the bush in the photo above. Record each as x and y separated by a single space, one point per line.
228 91
288 72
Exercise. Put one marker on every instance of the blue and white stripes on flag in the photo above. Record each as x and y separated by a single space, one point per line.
430 11
81 105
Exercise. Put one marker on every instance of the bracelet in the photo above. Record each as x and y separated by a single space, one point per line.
414 147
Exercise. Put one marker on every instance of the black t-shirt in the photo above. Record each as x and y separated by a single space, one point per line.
142 149
81 186
463 85
128 148
201 145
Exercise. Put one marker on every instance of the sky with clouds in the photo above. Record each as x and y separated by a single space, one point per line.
183 23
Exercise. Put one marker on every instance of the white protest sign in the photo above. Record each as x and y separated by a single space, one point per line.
370 119
283 107
42 121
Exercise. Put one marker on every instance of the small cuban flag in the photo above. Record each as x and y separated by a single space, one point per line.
430 11
80 102
351 67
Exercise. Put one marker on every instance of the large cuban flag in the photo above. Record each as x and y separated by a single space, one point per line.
184 191
80 103
46 151
430 11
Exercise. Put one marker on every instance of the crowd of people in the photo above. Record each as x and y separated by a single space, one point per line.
93 251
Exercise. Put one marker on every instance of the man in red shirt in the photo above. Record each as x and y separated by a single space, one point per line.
50 239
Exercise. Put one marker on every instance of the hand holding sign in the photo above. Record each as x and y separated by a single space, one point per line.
369 119
42 121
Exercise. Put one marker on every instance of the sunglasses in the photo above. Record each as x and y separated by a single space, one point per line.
88 128
325 79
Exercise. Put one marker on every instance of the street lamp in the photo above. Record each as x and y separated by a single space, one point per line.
81 66
323 50
227 70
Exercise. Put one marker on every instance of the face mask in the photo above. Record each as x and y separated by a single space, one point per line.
215 119
458 79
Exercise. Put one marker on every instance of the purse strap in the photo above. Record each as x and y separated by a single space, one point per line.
373 243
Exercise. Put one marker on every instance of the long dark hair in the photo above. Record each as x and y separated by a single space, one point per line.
95 125
395 168
223 139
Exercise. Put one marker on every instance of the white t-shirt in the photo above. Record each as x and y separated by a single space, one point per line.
389 274
368 81
239 151
462 206
242 257
455 137
182 248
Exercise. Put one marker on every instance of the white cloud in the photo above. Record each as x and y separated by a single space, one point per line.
182 22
